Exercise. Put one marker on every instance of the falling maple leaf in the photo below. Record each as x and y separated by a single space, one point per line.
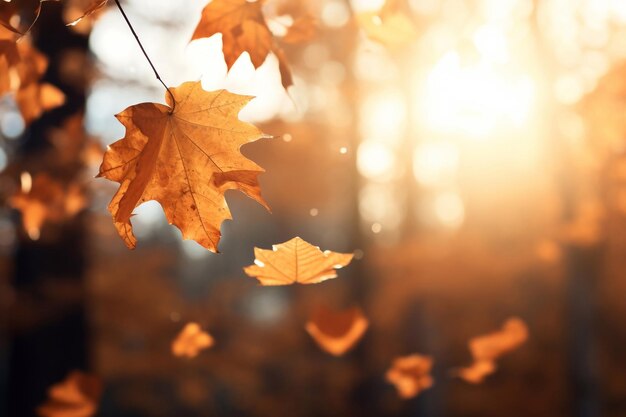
488 348
244 29
185 156
77 396
190 341
410 374
44 199
295 261
336 332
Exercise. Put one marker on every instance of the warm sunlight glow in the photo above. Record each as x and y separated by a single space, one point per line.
475 99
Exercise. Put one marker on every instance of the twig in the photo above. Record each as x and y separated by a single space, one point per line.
158 77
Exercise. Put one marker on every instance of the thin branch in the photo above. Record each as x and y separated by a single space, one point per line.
158 77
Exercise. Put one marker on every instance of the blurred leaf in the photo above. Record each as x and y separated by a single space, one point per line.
190 341
77 396
337 332
410 374
486 349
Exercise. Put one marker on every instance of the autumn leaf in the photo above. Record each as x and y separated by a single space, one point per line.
44 199
244 29
185 156
190 341
410 374
488 348
77 396
336 332
295 261
21 69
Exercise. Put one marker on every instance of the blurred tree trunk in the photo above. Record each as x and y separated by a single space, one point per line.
43 352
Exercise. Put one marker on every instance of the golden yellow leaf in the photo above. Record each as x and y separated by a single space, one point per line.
77 396
410 374
185 156
337 332
243 29
486 349
190 341
296 261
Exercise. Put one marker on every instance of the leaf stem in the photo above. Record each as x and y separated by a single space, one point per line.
156 73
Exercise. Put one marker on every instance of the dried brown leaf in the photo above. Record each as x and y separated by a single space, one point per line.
185 158
244 29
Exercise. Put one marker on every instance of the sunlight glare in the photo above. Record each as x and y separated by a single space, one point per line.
473 100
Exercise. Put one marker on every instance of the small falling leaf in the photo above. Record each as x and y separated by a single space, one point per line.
337 332
185 156
295 261
190 341
410 375
488 348
77 396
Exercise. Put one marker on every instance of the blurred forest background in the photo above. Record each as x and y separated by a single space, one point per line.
470 152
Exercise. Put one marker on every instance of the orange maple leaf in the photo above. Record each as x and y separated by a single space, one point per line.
337 332
410 374
185 156
77 396
244 29
488 348
190 341
295 261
